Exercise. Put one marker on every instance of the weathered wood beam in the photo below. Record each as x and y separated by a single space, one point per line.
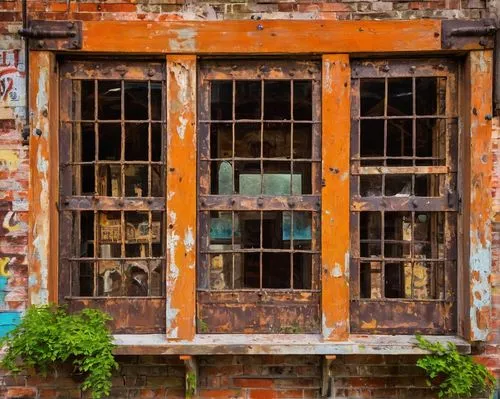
335 206
261 37
181 196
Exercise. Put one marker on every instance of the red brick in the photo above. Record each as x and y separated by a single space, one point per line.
21 392
253 382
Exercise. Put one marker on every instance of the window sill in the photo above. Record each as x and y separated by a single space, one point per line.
279 344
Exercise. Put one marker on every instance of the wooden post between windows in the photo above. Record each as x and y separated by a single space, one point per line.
42 195
474 281
335 196
181 196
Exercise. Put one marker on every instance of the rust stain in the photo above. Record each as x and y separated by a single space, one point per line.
335 210
181 209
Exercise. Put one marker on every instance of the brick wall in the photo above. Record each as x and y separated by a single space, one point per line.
221 376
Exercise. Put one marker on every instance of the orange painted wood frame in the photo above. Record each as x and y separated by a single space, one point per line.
181 197
43 194
335 196
261 37
478 205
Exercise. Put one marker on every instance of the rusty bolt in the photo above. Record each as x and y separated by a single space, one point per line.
260 201
260 27
170 226
386 68
149 201
41 44
233 201
414 203
413 68
334 170
45 112
440 67
436 34
474 111
488 117
151 72
38 132
70 25
66 202
291 204
120 203
483 42
171 169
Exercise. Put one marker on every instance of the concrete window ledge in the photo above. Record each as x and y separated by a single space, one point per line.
279 344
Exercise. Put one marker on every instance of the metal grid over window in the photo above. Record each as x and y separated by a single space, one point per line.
112 183
259 196
404 199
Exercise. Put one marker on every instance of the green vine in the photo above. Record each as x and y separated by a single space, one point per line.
47 335
457 376
190 384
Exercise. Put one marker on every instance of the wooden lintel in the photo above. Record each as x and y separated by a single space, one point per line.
261 37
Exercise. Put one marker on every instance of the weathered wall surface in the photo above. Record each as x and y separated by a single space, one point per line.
256 377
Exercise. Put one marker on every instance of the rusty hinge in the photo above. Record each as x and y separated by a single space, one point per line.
462 34
54 35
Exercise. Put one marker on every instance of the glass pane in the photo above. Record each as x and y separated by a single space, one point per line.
87 180
221 92
110 279
110 141
431 141
109 180
109 92
277 140
248 180
395 283
136 142
370 234
156 101
400 97
247 230
277 100
136 100
221 230
157 234
110 234
85 280
398 185
302 174
397 234
156 142
276 230
221 271
222 177
87 100
276 270
137 234
157 180
372 138
156 281
399 140
221 140
372 94
302 271
429 235
136 278
302 100
250 266
370 186
431 96
85 231
247 140
370 280
277 179
429 185
248 99
302 141
136 180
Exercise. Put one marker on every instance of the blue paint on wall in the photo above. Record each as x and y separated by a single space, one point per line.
8 321
3 288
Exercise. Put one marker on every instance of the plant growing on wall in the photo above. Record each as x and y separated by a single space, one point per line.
48 336
456 375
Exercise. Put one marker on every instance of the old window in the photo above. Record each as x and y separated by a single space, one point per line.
259 197
112 205
404 197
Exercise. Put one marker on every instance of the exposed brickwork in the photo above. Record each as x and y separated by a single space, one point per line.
221 376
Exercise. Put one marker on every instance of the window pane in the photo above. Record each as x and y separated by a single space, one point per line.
136 100
136 142
221 100
248 99
372 94
400 97
277 100
247 140
109 100
110 141
302 100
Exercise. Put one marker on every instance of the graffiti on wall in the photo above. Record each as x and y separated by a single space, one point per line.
11 78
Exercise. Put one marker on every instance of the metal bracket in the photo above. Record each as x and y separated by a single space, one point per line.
462 35
54 35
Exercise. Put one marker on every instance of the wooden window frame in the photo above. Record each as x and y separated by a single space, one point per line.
344 39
